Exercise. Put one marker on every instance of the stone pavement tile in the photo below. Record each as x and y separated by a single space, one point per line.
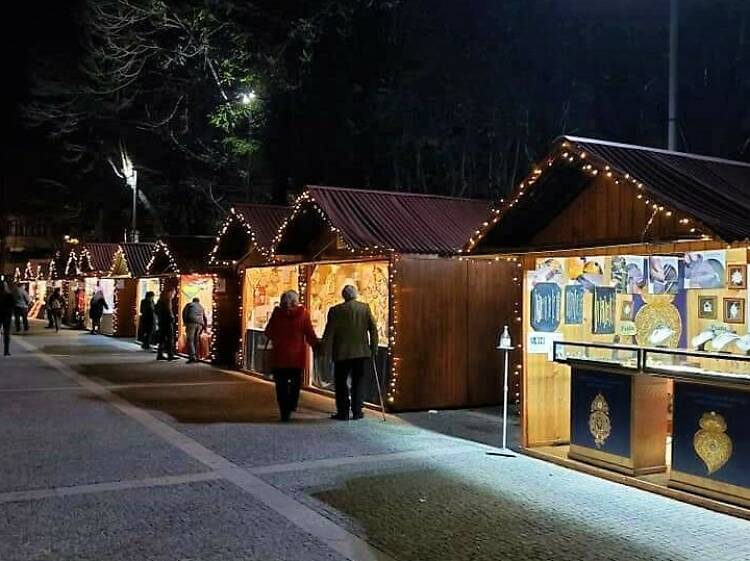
480 507
210 521
240 422
52 439
477 425
24 372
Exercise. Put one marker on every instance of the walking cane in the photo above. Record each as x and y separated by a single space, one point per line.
377 382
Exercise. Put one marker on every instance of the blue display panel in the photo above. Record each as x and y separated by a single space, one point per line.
600 411
711 435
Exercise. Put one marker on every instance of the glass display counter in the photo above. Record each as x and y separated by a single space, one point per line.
618 417
619 414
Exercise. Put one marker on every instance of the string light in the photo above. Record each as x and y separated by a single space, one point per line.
395 359
565 153
234 217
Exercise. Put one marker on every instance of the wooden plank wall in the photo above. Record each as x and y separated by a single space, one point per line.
450 314
227 329
126 307
608 213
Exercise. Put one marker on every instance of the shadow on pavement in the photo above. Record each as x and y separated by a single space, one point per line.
419 515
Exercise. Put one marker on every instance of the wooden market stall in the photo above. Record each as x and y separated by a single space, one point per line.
116 270
181 262
635 322
438 314
34 279
244 240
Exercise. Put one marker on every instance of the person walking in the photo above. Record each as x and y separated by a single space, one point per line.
351 339
96 310
194 318
21 302
166 319
290 331
56 306
7 305
146 322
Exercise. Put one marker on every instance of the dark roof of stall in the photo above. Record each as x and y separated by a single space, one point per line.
137 256
264 220
714 192
184 254
370 220
100 256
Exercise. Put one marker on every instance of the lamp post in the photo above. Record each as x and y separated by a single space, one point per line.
505 345
674 29
247 99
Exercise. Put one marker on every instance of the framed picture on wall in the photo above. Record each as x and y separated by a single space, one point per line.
626 312
604 311
734 310
736 276
707 307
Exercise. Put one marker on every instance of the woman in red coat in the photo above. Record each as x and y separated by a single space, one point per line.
290 331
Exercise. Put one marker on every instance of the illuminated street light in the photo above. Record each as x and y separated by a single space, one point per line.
247 98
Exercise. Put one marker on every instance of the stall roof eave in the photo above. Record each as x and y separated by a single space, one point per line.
712 193
384 222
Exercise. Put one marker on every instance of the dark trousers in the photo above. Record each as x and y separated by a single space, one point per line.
147 334
5 324
22 316
342 371
96 324
166 341
56 319
288 382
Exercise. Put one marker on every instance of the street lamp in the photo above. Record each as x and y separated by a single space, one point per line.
247 99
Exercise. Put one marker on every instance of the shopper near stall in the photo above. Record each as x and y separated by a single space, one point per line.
21 302
147 320
290 331
166 319
56 306
96 310
194 318
7 305
351 339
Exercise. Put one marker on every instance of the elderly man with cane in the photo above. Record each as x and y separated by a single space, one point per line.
351 339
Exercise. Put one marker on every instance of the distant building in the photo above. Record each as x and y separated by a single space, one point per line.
24 237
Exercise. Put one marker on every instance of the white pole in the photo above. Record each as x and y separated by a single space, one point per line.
505 402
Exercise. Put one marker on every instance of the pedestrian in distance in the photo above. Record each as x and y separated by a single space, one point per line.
21 303
290 331
7 306
194 318
351 340
96 310
165 317
147 321
56 306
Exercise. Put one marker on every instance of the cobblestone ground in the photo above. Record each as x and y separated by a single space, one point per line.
109 455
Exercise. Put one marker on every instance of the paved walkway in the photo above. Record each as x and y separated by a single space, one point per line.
109 455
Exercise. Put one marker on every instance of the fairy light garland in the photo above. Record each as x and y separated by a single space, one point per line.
28 273
232 218
85 261
566 153
160 247
395 360
214 319
17 275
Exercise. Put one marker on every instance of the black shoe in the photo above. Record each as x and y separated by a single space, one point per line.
6 353
191 360
160 357
171 358
358 416
338 417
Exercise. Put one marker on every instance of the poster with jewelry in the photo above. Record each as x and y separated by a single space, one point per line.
604 309
705 269
545 307
587 271
574 304
663 274
629 273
